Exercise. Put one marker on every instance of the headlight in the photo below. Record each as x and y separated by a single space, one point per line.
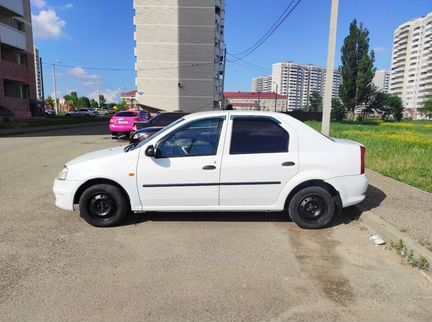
140 136
62 174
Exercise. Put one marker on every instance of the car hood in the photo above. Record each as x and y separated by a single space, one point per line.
97 155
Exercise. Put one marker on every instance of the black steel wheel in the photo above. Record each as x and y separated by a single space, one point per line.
312 208
103 205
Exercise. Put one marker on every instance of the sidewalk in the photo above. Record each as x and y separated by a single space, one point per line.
407 209
25 130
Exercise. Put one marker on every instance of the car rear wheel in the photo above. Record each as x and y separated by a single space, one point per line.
103 205
312 208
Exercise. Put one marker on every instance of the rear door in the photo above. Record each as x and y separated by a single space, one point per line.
260 157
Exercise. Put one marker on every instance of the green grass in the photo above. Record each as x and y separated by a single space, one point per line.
402 151
48 121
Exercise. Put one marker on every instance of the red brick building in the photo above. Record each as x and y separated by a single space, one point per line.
17 70
255 101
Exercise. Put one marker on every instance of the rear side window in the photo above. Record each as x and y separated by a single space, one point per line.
258 135
167 118
127 114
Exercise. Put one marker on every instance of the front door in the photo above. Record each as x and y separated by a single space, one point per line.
186 172
260 158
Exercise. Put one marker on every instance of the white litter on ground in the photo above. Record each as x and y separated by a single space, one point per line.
377 239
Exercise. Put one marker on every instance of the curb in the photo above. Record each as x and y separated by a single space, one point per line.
388 232
46 128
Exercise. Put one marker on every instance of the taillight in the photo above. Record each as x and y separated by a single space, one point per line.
134 128
362 152
111 121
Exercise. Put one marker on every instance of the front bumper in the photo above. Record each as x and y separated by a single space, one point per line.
64 191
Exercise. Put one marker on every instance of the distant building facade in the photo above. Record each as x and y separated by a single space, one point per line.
296 81
130 99
382 80
411 73
256 101
17 70
262 84
180 53
38 75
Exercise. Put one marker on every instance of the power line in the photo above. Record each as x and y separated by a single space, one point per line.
130 69
254 66
269 32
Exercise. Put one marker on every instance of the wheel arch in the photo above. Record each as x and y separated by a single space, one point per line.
316 183
96 181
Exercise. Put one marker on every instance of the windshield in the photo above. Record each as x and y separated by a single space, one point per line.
140 144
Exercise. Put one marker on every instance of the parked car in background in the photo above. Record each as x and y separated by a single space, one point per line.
160 120
143 134
122 123
219 161
82 112
99 111
49 112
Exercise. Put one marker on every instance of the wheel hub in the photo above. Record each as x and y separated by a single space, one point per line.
102 205
311 207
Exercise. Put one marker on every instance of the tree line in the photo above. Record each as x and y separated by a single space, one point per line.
357 91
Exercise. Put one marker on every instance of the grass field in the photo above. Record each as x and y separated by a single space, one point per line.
402 151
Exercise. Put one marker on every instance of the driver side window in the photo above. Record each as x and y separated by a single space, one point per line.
198 138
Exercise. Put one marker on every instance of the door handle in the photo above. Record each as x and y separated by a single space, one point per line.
288 164
209 167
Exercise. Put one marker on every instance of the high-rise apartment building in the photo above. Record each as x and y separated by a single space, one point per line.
38 75
180 53
382 80
17 71
262 84
411 73
300 81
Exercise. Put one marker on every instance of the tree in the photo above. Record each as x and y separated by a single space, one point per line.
83 102
315 102
93 103
388 105
427 108
102 100
49 101
357 69
338 109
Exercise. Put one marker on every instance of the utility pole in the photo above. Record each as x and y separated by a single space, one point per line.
98 91
223 78
325 126
55 88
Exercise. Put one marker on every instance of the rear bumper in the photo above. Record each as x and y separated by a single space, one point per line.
64 191
120 128
352 189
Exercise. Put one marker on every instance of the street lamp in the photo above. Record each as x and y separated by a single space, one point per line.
55 85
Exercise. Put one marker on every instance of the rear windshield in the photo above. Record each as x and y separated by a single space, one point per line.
127 114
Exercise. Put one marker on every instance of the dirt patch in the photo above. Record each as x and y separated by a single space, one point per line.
317 258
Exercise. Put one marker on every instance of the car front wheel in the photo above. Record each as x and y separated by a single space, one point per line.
312 208
103 205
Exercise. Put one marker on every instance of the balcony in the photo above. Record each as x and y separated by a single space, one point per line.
12 37
16 6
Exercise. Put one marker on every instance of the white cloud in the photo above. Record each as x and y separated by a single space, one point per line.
67 6
38 3
82 75
111 95
380 49
47 25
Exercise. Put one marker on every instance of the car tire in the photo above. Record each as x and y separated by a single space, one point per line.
312 208
114 135
103 205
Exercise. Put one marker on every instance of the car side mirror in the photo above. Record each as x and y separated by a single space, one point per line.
152 152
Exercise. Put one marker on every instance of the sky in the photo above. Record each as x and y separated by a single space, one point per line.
99 33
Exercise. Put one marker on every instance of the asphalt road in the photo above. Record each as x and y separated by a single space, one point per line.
231 267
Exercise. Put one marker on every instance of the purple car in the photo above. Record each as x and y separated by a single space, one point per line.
123 122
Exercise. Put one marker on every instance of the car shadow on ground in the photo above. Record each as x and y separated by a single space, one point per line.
374 197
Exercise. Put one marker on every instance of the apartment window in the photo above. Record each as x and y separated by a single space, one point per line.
19 25
15 89
22 59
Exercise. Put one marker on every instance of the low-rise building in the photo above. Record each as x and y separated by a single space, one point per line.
130 99
255 101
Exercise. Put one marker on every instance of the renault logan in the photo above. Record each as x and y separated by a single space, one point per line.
219 161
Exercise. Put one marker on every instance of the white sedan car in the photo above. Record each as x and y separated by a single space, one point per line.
219 161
